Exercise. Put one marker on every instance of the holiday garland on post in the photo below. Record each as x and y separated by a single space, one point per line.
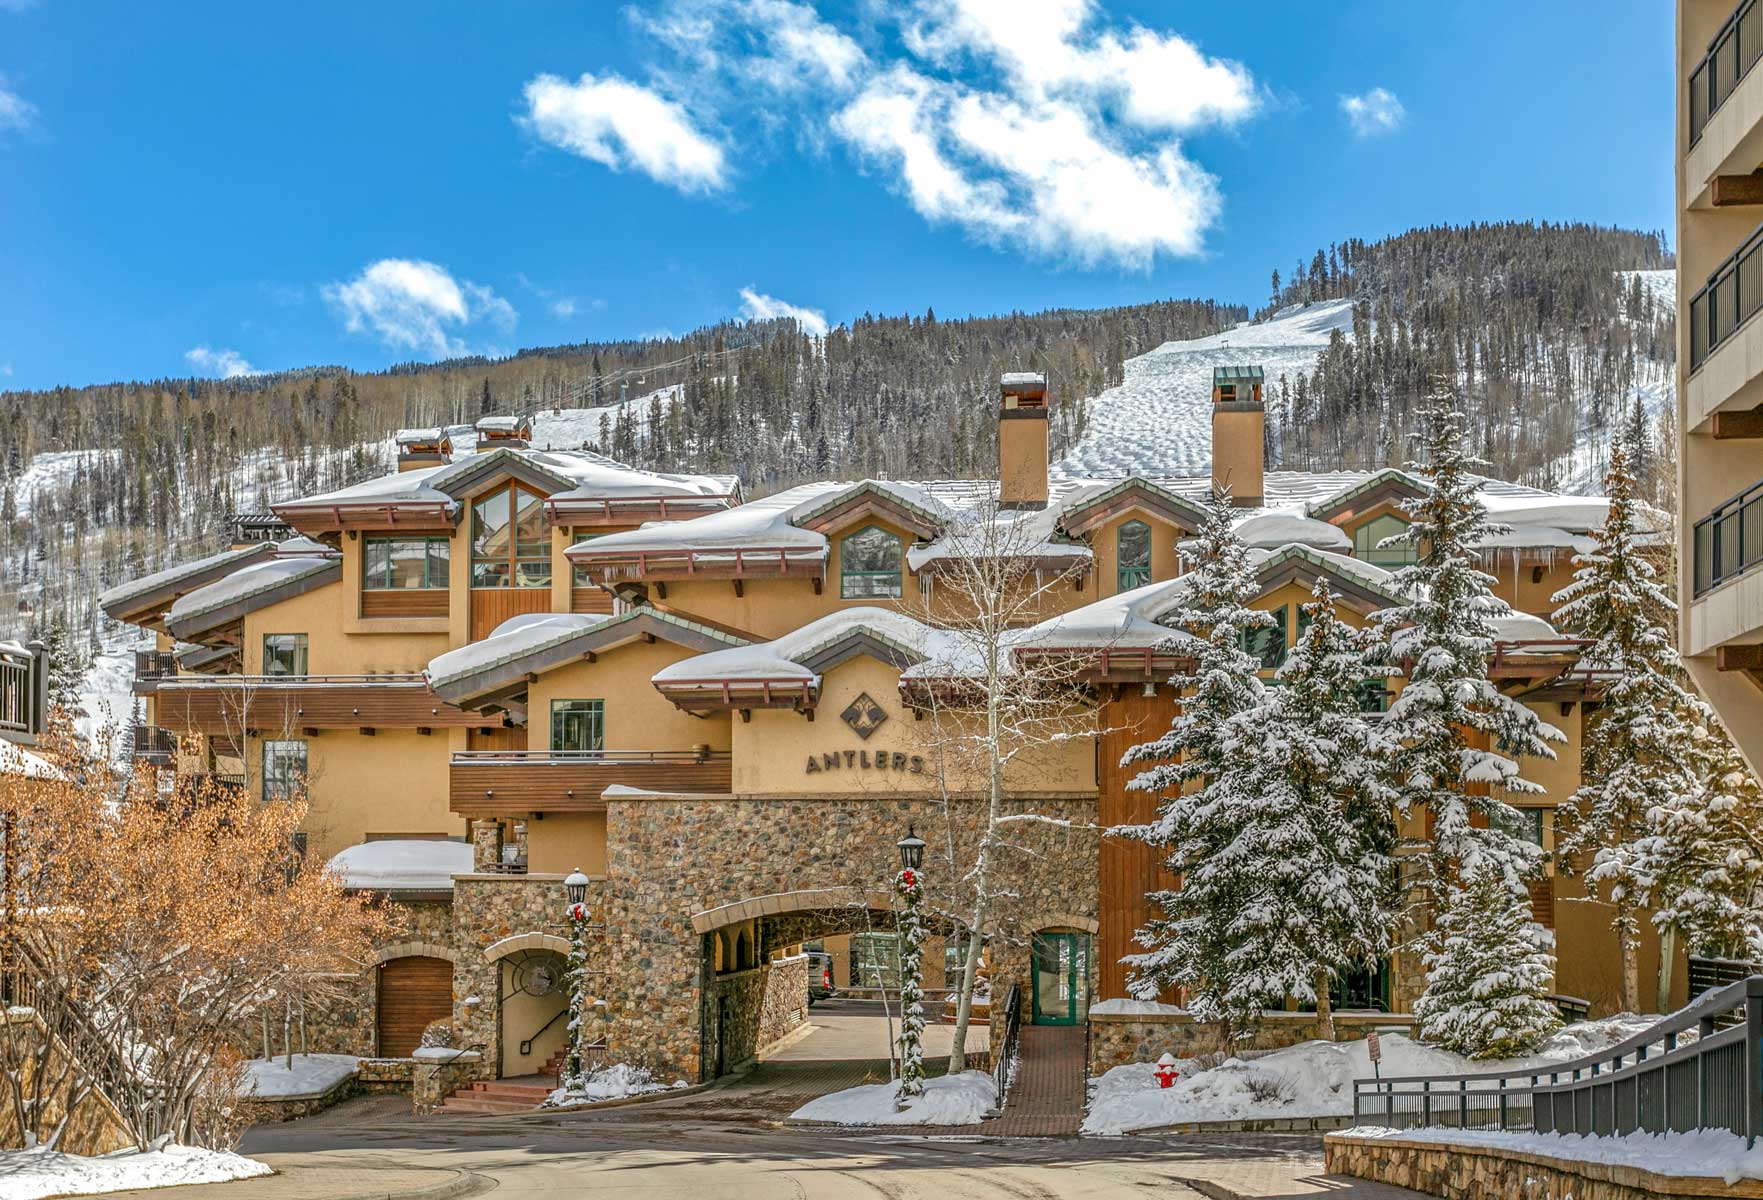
909 886
574 1073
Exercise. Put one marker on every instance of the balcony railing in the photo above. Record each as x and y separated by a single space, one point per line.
229 704
154 746
24 691
1732 295
498 782
152 666
1732 53
1729 540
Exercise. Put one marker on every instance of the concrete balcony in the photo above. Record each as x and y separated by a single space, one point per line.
1725 105
487 783
1727 549
234 704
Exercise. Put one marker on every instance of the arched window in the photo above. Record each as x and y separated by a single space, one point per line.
510 545
869 565
744 960
1132 556
1368 535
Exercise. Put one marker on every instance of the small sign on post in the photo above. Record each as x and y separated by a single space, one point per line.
1374 1047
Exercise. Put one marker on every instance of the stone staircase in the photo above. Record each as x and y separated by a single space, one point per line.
520 1094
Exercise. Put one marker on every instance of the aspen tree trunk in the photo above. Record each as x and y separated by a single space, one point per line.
982 874
1324 1009
1631 959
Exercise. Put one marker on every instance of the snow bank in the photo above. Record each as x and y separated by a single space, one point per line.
311 1075
1121 1007
1312 1079
415 865
31 1174
620 1081
964 1099
1707 1153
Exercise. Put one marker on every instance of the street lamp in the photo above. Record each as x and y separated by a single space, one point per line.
575 891
909 886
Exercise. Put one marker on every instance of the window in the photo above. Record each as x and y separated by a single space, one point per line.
1368 535
1373 696
400 563
582 577
875 958
284 769
1267 643
578 726
1132 556
869 565
284 654
510 546
954 958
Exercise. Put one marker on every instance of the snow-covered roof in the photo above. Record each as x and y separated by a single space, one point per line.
793 656
1533 537
768 522
125 596
413 865
502 424
1013 379
258 581
1270 530
1129 620
418 437
513 638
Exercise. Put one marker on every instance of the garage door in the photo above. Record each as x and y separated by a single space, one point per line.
414 992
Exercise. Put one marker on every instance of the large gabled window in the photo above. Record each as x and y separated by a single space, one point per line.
869 565
1132 556
1368 535
510 545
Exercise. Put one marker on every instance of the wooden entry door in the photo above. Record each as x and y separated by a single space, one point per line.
415 992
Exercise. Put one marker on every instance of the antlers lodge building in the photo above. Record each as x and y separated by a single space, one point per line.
501 663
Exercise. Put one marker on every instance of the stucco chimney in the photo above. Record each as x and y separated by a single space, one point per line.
1022 440
1239 431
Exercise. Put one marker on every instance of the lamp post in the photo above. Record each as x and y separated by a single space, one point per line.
909 886
575 890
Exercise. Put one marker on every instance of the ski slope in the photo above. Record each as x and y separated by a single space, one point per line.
1159 422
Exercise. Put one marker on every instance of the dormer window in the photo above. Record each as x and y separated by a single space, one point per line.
1368 535
1132 556
510 546
869 565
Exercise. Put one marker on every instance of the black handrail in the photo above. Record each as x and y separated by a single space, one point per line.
1729 541
526 1045
1732 52
1732 296
1005 1052
1652 1082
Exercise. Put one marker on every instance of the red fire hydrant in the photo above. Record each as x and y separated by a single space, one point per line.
1166 1071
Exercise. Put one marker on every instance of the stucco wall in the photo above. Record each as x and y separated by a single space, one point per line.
394 782
637 716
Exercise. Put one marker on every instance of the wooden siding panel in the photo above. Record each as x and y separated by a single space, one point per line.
492 606
591 600
415 992
1127 870
227 706
405 602
513 788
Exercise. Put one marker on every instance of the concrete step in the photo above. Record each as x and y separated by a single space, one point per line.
465 1102
498 1090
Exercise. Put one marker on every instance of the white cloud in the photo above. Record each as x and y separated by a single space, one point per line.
228 364
16 5
15 111
757 306
1374 112
5 368
560 304
624 125
414 305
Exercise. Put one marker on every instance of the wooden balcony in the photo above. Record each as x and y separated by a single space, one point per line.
487 783
273 704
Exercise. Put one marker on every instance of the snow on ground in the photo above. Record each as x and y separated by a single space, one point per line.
32 1174
311 1074
620 1081
1707 1153
53 472
964 1099
573 428
1159 422
1312 1079
107 701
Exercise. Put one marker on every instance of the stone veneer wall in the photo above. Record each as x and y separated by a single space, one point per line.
1116 1039
741 996
784 1007
670 857
1465 1172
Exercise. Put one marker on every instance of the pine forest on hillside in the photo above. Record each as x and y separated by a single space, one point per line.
1543 333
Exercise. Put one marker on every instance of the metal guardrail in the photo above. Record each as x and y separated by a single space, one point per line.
1653 1083
576 758
153 745
1004 1053
1729 541
1732 52
24 691
1732 296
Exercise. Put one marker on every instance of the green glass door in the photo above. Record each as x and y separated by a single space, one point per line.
1061 978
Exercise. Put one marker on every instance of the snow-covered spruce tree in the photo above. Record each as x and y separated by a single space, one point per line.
1307 842
1201 773
1442 638
1632 756
1703 854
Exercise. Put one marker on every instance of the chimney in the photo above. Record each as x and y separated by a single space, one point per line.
1239 430
422 448
1022 440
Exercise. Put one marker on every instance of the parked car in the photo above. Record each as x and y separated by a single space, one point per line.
820 975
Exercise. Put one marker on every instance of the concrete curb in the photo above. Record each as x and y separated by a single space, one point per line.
461 1183
1275 1125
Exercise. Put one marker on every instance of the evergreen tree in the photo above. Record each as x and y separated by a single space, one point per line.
67 667
1308 837
1443 638
1632 751
1190 944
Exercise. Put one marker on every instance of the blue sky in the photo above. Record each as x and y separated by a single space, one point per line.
212 188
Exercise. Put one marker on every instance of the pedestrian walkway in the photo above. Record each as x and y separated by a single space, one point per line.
1261 1166
338 1182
